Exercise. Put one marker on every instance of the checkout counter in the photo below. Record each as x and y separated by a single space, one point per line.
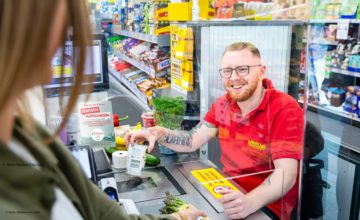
172 175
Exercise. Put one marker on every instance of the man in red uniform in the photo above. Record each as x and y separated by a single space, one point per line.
259 128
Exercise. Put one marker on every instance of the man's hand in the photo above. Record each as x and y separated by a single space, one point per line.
179 141
149 135
236 204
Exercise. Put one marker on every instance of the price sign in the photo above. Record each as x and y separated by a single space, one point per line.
342 29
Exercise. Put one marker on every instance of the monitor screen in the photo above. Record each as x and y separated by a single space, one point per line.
95 66
82 155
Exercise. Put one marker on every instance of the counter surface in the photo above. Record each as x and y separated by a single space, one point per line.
172 175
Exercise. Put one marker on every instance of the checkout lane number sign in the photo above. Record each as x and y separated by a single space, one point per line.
213 181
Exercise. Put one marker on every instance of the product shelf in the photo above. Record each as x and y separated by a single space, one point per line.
130 86
334 43
161 40
136 92
325 21
139 65
57 85
345 72
331 110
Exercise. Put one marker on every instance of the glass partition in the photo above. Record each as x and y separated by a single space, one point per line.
263 131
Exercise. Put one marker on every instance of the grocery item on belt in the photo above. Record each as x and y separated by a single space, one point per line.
151 160
174 204
136 159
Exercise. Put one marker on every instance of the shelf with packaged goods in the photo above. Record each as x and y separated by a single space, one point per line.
139 65
345 72
333 43
138 95
130 86
331 110
303 72
326 21
161 40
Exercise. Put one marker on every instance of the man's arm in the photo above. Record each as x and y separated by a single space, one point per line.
180 141
188 141
275 186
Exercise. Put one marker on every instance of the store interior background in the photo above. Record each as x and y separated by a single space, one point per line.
307 59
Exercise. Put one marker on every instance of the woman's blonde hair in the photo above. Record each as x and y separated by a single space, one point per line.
25 27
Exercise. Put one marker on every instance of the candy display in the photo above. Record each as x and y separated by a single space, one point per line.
149 54
253 10
137 81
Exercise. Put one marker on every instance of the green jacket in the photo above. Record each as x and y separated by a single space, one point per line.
28 193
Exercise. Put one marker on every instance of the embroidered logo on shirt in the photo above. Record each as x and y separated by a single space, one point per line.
256 145
224 133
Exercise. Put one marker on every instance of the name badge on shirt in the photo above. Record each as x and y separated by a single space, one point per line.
256 145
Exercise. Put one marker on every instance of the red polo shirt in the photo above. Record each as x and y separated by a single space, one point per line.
250 143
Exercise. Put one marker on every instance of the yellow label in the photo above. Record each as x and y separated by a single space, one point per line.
256 145
213 181
67 71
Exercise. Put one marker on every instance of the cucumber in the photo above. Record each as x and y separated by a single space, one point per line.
110 150
151 160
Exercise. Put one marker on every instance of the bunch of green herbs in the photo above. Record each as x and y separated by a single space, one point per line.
169 112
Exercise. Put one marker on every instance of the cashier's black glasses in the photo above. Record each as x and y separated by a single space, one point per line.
240 71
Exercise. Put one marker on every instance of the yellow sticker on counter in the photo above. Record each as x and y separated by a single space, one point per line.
213 181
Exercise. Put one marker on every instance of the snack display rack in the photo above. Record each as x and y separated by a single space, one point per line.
139 65
161 40
130 86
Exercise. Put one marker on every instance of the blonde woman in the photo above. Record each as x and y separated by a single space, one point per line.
39 179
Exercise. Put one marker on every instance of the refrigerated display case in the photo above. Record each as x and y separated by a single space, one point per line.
332 107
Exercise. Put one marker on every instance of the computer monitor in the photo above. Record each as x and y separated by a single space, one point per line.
96 66
83 155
